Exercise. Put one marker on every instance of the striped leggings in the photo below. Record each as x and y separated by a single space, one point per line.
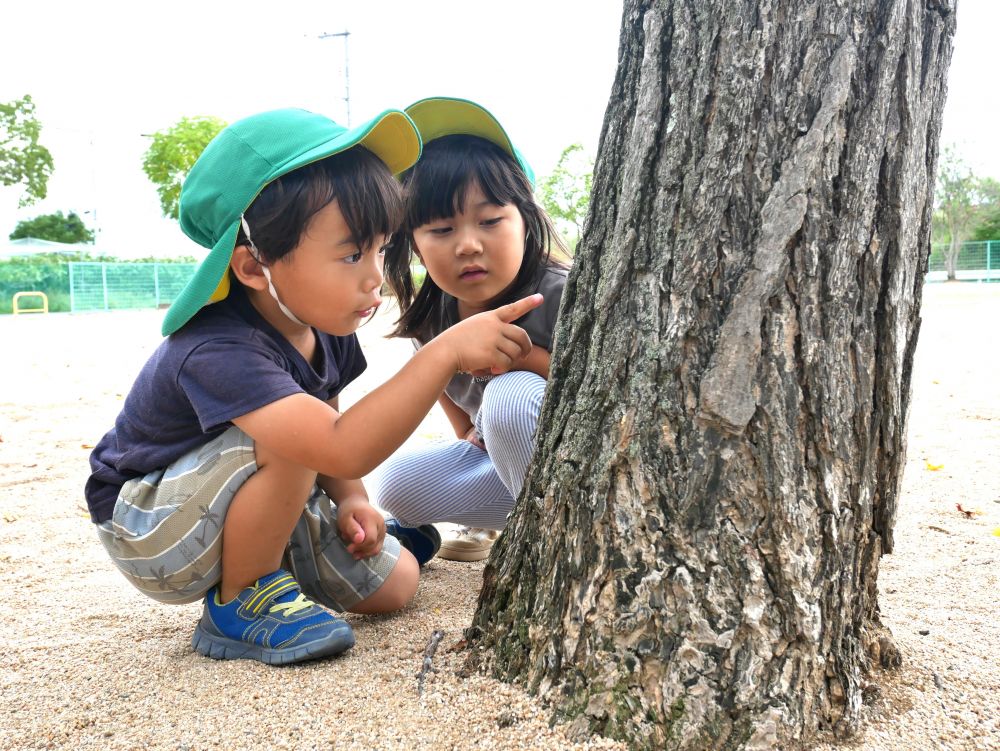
458 482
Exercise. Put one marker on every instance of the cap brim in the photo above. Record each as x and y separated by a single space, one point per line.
436 117
391 136
209 283
443 116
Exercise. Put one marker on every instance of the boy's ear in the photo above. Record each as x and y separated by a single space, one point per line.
246 268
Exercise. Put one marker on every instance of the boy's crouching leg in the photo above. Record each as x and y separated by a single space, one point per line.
332 576
398 589
261 519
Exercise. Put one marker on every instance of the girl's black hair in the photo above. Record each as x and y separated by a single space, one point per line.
435 188
367 195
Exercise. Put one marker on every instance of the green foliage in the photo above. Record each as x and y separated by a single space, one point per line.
989 225
173 153
565 194
23 161
43 273
54 227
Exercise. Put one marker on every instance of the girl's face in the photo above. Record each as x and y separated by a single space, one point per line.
474 255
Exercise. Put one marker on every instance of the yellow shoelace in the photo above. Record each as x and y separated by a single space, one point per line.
292 606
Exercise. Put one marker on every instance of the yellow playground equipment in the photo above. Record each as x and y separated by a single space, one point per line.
45 302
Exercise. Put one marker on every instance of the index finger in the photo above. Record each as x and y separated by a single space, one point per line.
516 309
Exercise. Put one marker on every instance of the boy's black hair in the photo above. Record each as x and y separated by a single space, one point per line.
435 188
367 195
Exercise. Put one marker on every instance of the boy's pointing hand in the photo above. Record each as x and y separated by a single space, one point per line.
489 341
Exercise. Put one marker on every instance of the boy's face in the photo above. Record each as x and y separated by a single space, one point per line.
327 280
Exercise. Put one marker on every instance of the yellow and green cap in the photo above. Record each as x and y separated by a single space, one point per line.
446 116
243 159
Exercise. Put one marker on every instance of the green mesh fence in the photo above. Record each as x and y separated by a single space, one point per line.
117 286
975 262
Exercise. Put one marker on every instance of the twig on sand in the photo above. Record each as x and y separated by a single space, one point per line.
432 646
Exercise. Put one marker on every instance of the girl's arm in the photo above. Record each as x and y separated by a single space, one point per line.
457 416
536 361
309 432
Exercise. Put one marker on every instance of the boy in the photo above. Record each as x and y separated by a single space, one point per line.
217 478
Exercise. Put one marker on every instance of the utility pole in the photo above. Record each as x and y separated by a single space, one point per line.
347 78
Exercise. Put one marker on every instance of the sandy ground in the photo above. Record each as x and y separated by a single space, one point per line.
87 662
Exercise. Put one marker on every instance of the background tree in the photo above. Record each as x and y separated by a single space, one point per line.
565 194
963 201
23 161
693 562
55 227
173 152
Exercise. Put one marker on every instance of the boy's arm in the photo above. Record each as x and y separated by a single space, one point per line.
354 512
311 433
341 490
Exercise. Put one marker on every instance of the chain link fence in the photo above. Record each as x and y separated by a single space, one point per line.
118 286
975 262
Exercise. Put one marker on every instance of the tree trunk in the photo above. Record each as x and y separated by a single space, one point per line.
951 259
693 561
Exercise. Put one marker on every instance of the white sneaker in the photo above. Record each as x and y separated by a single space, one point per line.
467 544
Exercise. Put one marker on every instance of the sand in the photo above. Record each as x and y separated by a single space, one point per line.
87 662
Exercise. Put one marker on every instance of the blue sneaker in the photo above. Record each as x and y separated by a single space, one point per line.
271 621
423 541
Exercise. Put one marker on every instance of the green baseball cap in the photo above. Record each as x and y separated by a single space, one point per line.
445 116
242 160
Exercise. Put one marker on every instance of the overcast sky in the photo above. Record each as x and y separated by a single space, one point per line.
102 74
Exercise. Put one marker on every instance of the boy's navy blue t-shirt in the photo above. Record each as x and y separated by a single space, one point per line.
226 362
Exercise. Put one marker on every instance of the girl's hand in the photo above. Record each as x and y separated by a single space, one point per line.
361 526
489 340
473 437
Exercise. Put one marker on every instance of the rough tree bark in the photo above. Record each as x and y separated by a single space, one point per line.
693 562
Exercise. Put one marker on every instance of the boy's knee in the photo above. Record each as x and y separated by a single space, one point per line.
397 591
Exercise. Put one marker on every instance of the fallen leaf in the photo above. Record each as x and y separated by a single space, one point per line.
934 467
969 513
996 532
86 445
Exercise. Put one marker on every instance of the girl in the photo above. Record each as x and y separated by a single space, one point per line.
471 220
231 475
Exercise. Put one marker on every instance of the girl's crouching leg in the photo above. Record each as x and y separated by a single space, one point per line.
507 420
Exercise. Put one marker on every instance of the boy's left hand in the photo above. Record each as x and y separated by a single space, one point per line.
361 526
